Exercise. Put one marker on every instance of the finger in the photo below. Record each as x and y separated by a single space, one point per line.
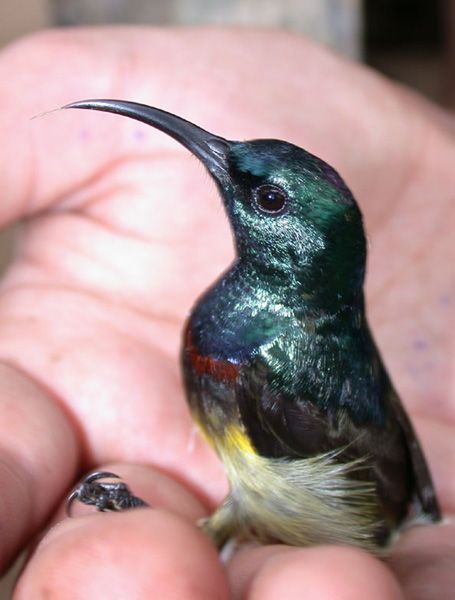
423 560
139 554
438 443
37 458
124 395
333 572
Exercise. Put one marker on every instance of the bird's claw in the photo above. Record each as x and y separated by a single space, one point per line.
104 496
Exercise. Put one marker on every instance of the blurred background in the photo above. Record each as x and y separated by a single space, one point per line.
412 41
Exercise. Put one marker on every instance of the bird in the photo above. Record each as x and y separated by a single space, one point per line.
280 368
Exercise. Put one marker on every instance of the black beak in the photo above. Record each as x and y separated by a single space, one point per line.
210 149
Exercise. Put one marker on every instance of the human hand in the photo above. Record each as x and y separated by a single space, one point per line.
123 230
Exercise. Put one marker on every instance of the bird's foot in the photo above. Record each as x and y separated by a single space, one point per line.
103 495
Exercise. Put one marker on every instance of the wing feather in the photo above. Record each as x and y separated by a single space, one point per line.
280 425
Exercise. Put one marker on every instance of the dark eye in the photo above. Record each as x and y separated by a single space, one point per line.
270 199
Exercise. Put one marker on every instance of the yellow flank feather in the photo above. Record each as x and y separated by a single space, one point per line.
235 439
225 438
295 501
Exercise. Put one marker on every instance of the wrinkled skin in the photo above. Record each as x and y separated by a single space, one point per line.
123 230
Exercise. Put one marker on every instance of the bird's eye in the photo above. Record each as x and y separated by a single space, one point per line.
270 199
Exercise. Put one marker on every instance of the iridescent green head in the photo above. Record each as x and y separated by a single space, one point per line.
293 215
294 220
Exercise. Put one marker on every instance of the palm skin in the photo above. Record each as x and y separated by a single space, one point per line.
113 254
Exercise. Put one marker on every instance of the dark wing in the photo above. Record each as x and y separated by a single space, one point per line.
283 426
424 488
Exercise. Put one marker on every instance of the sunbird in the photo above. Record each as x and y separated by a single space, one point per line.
281 371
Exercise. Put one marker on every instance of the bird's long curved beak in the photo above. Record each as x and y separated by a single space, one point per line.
211 149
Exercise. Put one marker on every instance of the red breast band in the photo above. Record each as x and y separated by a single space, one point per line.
221 370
